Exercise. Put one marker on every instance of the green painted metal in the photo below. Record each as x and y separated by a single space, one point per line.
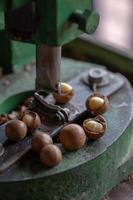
52 21
10 103
55 27
20 82
89 181
22 53
1 21
11 4
13 55
81 175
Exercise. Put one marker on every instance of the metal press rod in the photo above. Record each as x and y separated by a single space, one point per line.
48 62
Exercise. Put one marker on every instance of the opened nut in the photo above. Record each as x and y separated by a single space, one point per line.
95 127
66 93
97 104
31 119
72 137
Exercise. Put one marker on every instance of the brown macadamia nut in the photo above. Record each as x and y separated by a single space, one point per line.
15 130
40 140
72 137
50 155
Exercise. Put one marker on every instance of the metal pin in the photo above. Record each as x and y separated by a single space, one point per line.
48 68
94 87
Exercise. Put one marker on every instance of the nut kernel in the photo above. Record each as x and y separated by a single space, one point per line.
65 95
65 88
95 127
28 120
96 102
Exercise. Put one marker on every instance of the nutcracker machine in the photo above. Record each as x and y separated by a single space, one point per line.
84 173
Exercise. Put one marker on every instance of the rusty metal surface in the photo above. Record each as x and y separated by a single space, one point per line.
48 61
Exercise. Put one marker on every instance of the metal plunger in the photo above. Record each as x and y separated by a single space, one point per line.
48 62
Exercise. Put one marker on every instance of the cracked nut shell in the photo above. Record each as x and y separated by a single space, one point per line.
66 93
50 155
95 127
31 119
97 104
40 140
72 137
16 130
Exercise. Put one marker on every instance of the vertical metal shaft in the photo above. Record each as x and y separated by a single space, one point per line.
48 62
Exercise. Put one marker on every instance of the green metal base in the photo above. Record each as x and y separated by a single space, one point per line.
81 174
89 181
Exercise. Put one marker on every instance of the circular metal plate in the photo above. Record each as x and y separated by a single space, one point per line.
118 117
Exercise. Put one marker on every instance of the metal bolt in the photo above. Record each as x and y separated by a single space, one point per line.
87 20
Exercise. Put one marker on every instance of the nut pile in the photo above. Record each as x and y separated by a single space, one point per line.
42 144
71 136
16 129
15 114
